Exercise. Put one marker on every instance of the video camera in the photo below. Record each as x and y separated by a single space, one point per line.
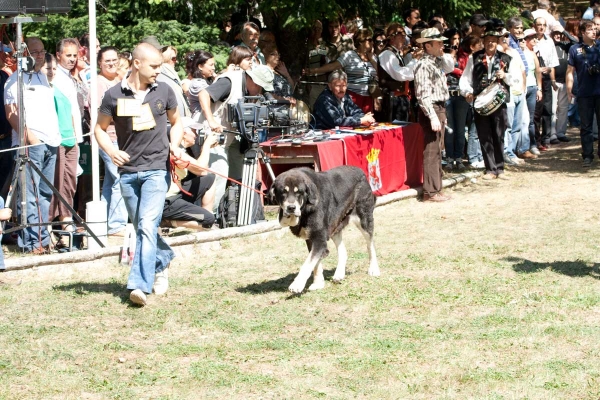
248 117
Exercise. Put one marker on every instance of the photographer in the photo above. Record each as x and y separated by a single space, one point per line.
191 182
227 89
584 59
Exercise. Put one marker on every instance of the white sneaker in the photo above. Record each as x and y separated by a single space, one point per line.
161 282
534 150
517 160
478 165
138 297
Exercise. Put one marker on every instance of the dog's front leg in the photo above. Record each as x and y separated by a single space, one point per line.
340 271
312 263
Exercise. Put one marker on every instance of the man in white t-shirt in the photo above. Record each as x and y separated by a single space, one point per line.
42 134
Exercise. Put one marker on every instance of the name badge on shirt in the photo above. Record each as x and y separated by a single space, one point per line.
129 108
145 121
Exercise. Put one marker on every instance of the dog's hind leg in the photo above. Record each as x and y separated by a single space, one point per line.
340 271
365 225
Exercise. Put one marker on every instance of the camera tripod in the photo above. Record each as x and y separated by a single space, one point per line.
247 194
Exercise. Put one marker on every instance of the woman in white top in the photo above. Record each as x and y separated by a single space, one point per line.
533 82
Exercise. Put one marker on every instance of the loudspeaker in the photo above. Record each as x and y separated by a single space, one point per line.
11 8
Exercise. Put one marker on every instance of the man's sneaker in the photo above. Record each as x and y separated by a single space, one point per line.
564 139
478 165
517 160
509 160
449 165
528 155
161 282
587 162
138 297
460 166
535 151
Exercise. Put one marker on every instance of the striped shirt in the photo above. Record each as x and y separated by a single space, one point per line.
430 82
359 72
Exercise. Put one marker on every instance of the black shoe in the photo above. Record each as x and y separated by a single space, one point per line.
554 141
564 139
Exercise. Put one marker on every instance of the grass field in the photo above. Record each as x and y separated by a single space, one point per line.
493 295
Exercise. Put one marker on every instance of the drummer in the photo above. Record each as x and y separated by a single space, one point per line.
483 69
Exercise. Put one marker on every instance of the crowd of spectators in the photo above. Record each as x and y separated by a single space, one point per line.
351 75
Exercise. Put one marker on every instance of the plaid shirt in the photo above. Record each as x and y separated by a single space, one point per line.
430 82
330 112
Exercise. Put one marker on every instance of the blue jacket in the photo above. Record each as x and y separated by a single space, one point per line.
329 113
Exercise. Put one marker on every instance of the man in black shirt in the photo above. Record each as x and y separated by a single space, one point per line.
140 108
560 74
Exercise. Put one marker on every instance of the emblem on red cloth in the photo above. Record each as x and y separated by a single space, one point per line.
374 174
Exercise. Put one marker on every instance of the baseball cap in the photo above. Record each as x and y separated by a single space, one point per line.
557 27
478 19
262 76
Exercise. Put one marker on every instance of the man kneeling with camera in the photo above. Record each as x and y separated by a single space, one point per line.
190 181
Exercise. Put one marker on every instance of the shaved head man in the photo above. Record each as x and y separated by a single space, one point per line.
140 108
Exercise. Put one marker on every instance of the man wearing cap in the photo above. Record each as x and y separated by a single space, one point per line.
546 52
140 108
431 92
334 107
478 24
168 74
561 99
394 74
483 68
191 183
584 60
226 90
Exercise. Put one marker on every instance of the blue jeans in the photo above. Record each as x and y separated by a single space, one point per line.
457 109
38 197
588 108
518 142
144 194
530 99
473 145
111 194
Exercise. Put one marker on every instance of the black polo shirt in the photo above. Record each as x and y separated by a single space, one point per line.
149 149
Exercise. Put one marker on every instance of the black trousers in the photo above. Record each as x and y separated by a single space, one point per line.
490 130
395 108
543 113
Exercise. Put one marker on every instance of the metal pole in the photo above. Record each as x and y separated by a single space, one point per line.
94 101
21 111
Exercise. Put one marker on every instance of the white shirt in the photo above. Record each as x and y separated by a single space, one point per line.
516 58
390 64
511 77
66 84
547 50
38 101
550 20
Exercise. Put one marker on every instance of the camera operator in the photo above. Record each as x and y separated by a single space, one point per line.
191 182
584 60
227 89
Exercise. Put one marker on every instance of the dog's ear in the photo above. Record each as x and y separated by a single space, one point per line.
271 193
312 193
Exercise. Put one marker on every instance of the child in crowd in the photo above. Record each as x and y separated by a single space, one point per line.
5 214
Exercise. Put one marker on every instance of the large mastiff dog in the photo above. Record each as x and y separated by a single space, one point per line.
318 206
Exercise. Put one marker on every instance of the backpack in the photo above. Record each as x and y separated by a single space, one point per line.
229 206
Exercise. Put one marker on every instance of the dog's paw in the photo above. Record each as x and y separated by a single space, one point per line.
296 287
317 286
374 271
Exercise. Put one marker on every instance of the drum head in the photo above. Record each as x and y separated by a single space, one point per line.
300 112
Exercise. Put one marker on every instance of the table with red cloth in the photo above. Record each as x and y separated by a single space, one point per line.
392 157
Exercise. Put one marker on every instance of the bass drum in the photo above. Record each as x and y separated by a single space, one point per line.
490 99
